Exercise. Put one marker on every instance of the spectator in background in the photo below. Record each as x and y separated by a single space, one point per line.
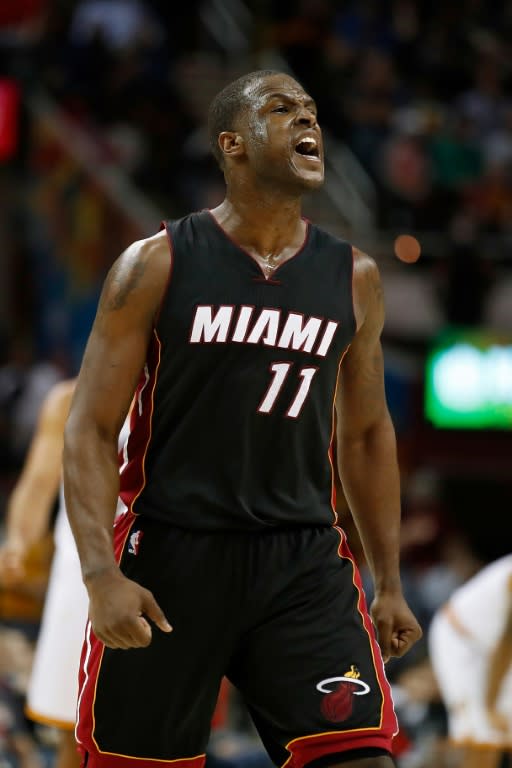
467 276
21 25
483 104
359 27
121 24
456 161
369 103
302 33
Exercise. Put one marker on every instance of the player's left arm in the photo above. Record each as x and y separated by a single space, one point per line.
500 661
367 461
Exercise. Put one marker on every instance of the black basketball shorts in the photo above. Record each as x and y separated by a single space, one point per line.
281 613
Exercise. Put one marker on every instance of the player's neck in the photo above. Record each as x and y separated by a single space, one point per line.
260 227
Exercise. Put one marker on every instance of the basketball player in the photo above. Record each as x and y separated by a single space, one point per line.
470 644
52 691
53 685
243 328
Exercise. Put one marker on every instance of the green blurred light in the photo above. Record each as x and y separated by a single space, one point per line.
468 381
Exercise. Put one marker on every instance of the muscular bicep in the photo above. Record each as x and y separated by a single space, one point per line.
116 349
361 400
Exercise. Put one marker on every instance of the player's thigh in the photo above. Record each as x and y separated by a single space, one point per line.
157 702
311 672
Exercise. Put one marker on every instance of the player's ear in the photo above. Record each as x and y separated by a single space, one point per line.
231 143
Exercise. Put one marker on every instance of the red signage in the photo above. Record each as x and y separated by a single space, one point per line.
9 118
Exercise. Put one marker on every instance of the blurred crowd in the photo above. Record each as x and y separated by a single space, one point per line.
419 92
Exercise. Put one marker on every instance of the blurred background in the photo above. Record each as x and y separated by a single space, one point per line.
102 135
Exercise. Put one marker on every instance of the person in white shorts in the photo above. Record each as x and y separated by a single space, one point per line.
470 648
53 686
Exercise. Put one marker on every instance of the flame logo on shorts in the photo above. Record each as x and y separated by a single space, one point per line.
339 693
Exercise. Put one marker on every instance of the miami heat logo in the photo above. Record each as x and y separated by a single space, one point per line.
134 543
339 694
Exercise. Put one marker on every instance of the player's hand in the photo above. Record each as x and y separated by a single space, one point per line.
396 626
119 610
12 564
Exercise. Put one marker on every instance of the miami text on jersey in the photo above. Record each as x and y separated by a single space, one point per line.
272 327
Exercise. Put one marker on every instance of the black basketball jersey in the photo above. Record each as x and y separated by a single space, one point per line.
233 418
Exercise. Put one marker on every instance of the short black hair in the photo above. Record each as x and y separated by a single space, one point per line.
227 105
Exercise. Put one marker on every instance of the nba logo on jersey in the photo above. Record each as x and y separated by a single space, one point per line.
134 543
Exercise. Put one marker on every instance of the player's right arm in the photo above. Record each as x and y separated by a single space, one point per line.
31 501
114 358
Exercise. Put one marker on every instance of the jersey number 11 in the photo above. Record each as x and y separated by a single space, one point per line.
280 371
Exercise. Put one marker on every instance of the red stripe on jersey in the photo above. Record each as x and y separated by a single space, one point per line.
332 451
133 475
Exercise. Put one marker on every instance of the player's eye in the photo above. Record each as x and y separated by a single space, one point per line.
280 108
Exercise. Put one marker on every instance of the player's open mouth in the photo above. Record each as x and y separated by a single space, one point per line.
308 147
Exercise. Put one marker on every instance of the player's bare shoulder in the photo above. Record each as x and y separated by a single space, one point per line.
138 278
367 288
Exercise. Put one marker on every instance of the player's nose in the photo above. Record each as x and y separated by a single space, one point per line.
306 116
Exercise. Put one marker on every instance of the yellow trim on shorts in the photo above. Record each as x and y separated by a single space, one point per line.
63 725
